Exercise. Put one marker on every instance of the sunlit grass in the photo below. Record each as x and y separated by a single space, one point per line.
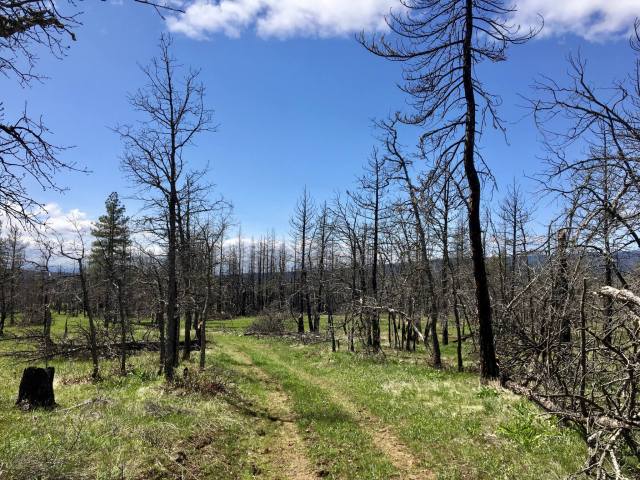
129 427
336 440
460 428
134 427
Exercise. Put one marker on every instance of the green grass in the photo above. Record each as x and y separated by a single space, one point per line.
140 429
335 439
461 429
237 325
136 429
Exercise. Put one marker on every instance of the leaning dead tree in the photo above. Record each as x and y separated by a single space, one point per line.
441 43
400 166
569 335
591 382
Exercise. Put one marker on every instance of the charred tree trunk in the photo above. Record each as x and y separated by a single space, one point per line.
188 321
488 362
36 388
171 346
561 289
123 329
89 312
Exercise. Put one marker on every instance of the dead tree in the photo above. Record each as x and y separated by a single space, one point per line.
323 238
302 223
43 310
17 258
595 388
26 153
370 199
441 43
400 171
209 235
75 250
604 118
175 115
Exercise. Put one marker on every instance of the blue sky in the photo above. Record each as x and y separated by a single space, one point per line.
294 94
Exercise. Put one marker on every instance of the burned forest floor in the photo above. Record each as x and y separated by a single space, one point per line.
270 408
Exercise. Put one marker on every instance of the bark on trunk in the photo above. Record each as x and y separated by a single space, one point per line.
488 363
36 388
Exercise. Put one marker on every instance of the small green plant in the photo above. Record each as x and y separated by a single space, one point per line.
527 427
487 392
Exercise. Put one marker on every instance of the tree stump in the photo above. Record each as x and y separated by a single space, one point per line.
36 388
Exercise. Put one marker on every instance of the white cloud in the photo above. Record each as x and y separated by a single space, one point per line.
591 19
59 225
281 18
66 223
69 227
55 221
203 17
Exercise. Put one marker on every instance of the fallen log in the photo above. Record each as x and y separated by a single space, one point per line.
608 422
105 350
306 338
620 295
462 339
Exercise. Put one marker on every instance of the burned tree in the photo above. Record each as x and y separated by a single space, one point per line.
400 172
302 225
441 43
322 237
27 155
369 198
36 388
76 251
174 114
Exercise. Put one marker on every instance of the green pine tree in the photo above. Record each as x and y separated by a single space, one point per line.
109 259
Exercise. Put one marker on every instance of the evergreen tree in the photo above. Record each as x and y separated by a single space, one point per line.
111 232
109 255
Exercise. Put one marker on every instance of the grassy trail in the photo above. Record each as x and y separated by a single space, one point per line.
285 458
383 441
333 439
404 461
399 419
